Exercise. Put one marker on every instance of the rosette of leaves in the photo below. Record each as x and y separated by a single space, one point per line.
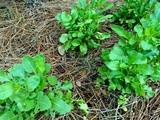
26 90
83 25
134 61
130 12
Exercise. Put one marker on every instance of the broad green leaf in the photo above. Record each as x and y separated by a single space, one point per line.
88 21
26 105
83 48
93 44
145 45
28 64
33 82
112 86
40 63
145 69
139 30
108 6
113 65
116 53
3 76
63 38
43 102
65 17
6 90
120 31
48 68
105 55
17 71
150 93
67 45
58 17
103 72
67 85
102 36
9 115
76 42
74 13
137 57
132 41
81 4
60 106
19 95
52 114
83 106
52 80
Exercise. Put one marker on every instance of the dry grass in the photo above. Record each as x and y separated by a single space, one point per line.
30 31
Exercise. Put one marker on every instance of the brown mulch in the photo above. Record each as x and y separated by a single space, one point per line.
34 30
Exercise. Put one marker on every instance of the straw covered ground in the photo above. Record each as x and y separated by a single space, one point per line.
33 30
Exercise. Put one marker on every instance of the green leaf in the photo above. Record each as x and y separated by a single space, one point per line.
65 17
6 90
83 106
116 53
139 30
28 64
81 3
33 82
145 45
52 80
60 106
103 72
136 57
102 36
76 42
19 95
17 71
83 48
26 105
63 38
3 76
67 45
43 102
52 114
9 115
113 65
40 63
145 69
120 31
93 44
67 85
48 68
108 6
58 17
88 21
112 86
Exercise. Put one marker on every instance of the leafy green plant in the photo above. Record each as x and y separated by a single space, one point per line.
83 25
134 61
131 11
26 90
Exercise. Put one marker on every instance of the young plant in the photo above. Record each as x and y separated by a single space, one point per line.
83 25
131 11
134 61
26 90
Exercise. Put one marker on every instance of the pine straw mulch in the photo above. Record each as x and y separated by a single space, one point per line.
34 30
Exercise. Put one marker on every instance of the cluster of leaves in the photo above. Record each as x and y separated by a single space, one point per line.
26 90
134 61
131 11
83 25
